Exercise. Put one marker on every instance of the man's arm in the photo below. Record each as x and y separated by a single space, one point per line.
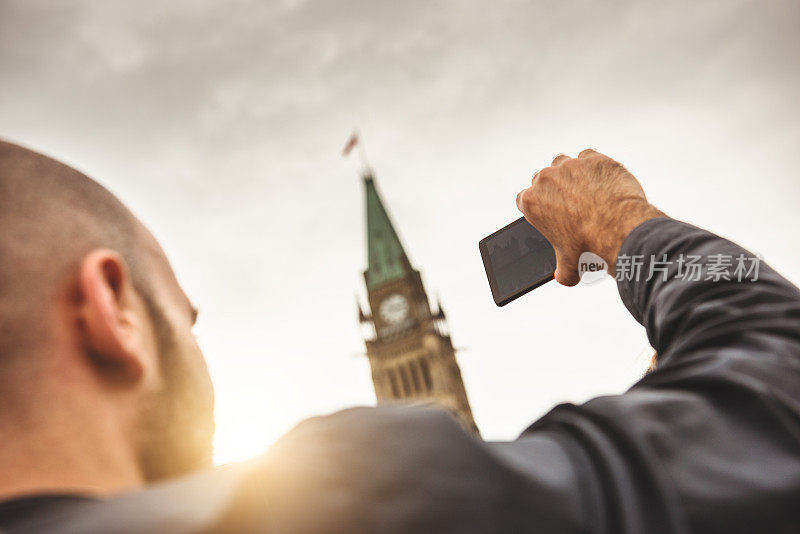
724 427
709 441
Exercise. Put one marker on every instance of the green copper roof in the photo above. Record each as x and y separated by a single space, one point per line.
386 259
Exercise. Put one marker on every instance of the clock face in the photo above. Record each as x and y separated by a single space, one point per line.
394 308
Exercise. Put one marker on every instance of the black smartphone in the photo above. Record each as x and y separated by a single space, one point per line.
517 259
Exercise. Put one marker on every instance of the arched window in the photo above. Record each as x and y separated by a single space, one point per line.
426 374
414 371
393 382
403 370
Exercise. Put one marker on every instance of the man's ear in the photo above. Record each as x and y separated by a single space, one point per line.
112 322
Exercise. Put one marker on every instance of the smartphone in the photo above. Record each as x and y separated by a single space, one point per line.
517 259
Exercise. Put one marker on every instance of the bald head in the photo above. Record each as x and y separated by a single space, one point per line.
51 216
93 321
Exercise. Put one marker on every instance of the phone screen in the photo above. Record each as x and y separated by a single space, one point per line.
517 259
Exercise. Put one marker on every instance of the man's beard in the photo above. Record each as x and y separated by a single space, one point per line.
177 424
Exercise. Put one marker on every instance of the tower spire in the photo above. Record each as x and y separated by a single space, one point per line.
386 258
409 349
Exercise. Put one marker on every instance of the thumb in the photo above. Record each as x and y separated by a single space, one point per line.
567 268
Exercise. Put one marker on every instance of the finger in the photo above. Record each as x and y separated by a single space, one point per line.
567 268
588 153
558 160
521 199
535 176
526 203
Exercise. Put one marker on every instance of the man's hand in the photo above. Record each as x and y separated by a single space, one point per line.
585 204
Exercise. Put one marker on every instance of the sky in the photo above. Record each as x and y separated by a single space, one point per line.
221 124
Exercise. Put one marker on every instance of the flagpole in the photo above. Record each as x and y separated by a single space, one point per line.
362 154
353 142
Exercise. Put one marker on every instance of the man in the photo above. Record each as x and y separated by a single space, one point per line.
106 399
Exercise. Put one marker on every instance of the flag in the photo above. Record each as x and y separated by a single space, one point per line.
351 143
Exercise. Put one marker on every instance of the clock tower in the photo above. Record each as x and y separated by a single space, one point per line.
408 344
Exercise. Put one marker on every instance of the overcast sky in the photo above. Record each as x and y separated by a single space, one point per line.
221 124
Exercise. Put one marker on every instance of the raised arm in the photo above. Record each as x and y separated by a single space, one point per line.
709 441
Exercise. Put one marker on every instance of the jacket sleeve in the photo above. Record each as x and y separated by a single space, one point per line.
709 441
